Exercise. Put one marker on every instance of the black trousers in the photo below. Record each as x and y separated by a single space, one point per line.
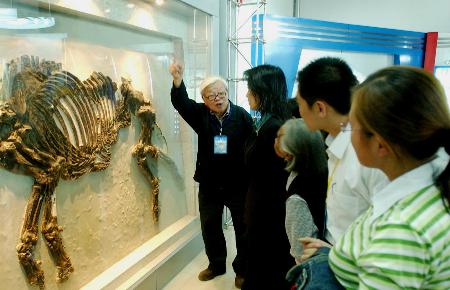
212 200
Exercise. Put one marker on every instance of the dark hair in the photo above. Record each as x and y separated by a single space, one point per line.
268 83
411 112
293 108
329 79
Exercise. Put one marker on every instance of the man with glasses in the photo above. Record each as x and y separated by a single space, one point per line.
222 130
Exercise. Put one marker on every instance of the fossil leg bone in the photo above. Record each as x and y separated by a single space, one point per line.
146 116
55 126
28 238
51 231
144 111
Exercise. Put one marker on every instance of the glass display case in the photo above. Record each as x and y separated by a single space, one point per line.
107 214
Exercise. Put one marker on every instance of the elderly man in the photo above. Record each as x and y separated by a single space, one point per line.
222 129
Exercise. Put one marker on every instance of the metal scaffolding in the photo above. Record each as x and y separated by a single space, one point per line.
235 39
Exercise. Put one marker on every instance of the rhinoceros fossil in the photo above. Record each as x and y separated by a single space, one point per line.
55 126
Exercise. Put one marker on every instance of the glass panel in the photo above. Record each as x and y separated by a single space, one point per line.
443 75
362 64
105 214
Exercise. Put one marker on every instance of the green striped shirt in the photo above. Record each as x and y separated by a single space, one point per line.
401 242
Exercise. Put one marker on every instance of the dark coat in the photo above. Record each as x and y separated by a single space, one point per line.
268 250
215 168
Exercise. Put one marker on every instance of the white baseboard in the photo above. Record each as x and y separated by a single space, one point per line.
156 262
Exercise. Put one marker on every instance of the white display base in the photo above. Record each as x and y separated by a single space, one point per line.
155 263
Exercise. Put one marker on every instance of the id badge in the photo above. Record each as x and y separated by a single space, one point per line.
220 144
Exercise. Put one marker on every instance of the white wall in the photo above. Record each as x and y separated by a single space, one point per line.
280 7
416 15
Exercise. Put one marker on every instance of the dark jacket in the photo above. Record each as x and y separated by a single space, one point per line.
217 169
265 211
267 188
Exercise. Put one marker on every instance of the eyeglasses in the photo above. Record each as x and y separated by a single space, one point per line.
220 95
346 127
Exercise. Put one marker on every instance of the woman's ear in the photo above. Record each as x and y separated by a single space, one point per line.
383 148
288 157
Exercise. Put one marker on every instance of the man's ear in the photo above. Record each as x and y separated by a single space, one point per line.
321 108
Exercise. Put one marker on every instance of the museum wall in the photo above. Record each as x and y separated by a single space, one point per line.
106 215
416 15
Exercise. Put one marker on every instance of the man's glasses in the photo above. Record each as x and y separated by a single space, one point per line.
219 95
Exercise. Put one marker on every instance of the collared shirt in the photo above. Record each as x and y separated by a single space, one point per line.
291 177
238 126
403 241
351 185
409 182
226 114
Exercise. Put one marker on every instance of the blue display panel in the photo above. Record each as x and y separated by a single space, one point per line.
285 37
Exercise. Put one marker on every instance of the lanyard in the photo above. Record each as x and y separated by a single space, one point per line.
330 178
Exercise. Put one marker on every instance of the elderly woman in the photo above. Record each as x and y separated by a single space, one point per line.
306 162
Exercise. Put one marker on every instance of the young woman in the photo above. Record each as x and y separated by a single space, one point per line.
399 120
306 161
403 240
268 245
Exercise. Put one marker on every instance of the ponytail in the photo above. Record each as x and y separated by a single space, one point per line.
443 180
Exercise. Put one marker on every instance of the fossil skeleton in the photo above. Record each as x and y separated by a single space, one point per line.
52 126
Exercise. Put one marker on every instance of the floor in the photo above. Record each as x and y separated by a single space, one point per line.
187 278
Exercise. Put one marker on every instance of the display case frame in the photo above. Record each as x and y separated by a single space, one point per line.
146 262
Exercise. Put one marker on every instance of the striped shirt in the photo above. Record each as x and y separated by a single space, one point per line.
402 241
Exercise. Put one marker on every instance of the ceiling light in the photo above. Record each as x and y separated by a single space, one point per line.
130 5
9 20
159 2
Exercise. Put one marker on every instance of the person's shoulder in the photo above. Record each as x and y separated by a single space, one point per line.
240 112
271 127
275 122
238 109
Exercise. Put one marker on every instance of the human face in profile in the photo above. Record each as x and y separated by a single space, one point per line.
253 100
364 143
306 112
277 146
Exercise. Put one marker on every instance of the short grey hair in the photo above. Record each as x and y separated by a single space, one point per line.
306 147
211 80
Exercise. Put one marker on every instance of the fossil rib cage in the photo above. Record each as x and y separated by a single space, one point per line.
54 126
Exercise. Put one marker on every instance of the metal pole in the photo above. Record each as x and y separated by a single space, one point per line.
228 43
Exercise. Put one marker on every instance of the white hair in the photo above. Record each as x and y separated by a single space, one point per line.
211 80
